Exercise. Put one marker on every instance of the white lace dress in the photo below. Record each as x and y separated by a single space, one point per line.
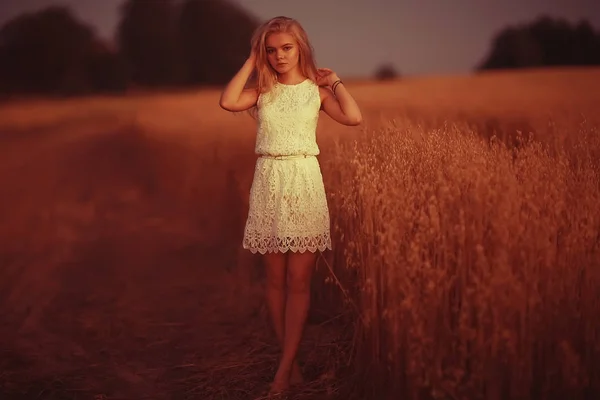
288 207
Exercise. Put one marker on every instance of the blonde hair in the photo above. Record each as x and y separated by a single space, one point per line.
265 77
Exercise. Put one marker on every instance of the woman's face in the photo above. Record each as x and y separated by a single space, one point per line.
282 52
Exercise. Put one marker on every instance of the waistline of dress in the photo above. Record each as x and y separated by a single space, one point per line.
286 157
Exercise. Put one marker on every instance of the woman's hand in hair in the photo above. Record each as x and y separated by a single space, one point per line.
326 77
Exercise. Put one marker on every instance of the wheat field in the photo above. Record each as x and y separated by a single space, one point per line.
466 260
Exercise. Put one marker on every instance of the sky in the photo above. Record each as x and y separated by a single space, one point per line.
354 37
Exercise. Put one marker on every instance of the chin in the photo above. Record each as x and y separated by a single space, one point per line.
284 68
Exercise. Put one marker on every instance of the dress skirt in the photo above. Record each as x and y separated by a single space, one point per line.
288 207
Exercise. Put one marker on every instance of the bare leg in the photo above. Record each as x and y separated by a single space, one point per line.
300 269
276 270
275 264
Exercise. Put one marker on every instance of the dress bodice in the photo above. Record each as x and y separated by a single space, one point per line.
287 119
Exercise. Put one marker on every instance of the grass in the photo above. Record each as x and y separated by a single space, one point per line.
465 266
476 264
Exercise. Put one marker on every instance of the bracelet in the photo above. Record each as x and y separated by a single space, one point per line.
335 85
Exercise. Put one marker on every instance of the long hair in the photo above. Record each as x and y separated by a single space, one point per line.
265 76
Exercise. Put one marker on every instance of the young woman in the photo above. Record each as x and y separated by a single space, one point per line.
288 219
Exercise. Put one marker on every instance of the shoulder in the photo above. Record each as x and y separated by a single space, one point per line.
261 94
324 93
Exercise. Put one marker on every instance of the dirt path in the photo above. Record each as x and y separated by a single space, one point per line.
110 289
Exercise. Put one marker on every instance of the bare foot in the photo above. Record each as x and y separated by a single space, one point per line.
281 382
296 377
279 386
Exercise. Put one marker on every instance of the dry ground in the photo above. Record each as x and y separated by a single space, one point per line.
121 271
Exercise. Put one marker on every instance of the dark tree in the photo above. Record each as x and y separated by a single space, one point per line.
544 42
215 37
107 70
147 39
45 52
585 45
159 43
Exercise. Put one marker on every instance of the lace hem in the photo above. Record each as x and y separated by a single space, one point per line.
282 245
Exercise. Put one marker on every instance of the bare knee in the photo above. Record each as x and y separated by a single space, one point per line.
276 282
299 273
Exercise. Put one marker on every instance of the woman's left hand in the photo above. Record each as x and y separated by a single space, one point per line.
326 77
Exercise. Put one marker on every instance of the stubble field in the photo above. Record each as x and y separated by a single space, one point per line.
466 230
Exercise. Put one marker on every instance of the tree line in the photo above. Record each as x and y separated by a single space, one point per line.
545 42
183 43
158 44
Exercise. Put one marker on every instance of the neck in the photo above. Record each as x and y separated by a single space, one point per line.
291 77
